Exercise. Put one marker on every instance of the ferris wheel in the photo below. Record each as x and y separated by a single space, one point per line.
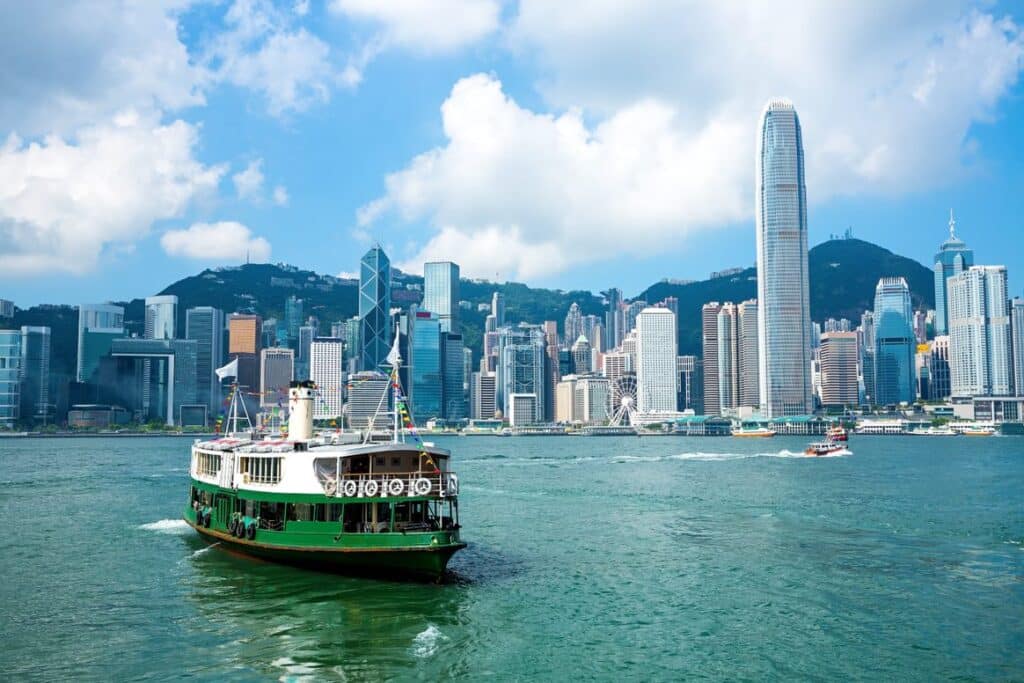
623 399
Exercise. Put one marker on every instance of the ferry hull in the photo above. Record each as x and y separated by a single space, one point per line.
425 563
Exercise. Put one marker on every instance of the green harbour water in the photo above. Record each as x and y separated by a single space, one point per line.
589 559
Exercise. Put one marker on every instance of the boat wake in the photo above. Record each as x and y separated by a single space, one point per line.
205 550
707 457
425 643
175 527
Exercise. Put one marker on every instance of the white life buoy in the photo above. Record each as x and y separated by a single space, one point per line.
421 487
396 487
370 488
329 487
350 488
453 484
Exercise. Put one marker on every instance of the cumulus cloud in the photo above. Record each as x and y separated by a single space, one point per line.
280 196
249 182
656 112
82 62
424 27
221 241
63 201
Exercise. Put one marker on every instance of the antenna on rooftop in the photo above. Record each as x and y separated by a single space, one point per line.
952 225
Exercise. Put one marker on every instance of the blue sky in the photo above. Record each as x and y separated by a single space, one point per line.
606 145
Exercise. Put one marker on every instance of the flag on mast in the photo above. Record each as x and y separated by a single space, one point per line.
393 356
229 370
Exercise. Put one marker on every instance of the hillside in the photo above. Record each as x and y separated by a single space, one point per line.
842 274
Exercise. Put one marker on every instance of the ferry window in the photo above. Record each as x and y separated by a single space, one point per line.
396 461
300 512
379 460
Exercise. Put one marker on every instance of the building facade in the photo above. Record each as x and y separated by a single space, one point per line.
453 397
709 339
441 293
162 317
656 361
894 343
979 332
784 322
1017 344
36 404
521 365
205 325
98 326
327 371
953 258
277 370
10 378
245 343
374 309
838 357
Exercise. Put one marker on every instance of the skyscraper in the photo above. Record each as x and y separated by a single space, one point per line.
656 361
292 319
582 356
1017 338
277 370
784 354
938 369
894 343
979 332
749 378
425 385
98 326
691 384
953 258
613 334
327 370
728 358
10 378
35 373
498 309
245 343
482 396
161 317
441 293
709 337
205 325
839 385
453 400
521 367
573 327
374 308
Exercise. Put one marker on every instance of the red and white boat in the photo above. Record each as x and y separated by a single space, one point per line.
837 433
826 448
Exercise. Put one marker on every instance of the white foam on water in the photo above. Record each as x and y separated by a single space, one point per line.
425 643
167 526
708 457
294 671
205 550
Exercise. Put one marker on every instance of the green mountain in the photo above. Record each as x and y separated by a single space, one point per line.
842 278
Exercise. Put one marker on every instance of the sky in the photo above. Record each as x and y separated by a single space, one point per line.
566 145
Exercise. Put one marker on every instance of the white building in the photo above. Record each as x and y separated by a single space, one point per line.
522 409
368 393
656 360
979 332
591 399
615 364
327 371
482 395
161 317
565 400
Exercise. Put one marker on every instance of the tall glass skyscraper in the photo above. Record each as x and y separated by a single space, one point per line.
441 293
35 373
784 320
453 369
979 332
425 366
205 325
10 377
374 308
895 343
953 258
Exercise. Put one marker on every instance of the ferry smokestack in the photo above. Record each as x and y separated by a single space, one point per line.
300 411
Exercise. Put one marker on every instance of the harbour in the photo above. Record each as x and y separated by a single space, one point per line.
588 558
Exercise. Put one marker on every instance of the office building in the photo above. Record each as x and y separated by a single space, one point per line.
498 309
709 338
749 375
453 398
1017 340
953 258
374 309
6 308
591 400
784 321
245 343
979 332
894 343
522 410
631 311
277 370
838 358
939 388
656 361
36 404
98 326
368 396
728 358
10 378
691 384
565 400
425 386
205 325
154 378
612 319
573 327
521 367
327 372
482 395
441 293
292 321
307 333
161 317
615 365
582 356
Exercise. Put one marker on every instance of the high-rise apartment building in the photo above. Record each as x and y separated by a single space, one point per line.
35 373
894 343
1017 340
953 258
979 332
728 358
244 343
327 372
277 370
749 376
784 361
709 337
441 293
374 309
98 326
205 325
10 378
838 357
656 361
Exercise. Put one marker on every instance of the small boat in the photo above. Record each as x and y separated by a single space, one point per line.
756 432
825 448
978 431
837 433
932 431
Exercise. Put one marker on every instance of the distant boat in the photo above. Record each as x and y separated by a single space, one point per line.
932 431
837 433
756 432
826 448
978 431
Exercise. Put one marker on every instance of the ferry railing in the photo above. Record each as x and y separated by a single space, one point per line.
397 484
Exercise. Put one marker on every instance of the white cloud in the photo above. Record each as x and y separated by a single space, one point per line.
263 52
348 275
301 7
82 62
424 27
64 201
281 196
249 182
221 241
660 103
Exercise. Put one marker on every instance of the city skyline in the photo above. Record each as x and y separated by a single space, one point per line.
253 164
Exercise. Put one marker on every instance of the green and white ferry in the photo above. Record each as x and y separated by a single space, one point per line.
372 508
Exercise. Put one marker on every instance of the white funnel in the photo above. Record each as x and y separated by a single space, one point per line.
300 411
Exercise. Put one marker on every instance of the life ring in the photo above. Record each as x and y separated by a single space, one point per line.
330 487
250 532
453 484
350 488
370 489
421 486
396 487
